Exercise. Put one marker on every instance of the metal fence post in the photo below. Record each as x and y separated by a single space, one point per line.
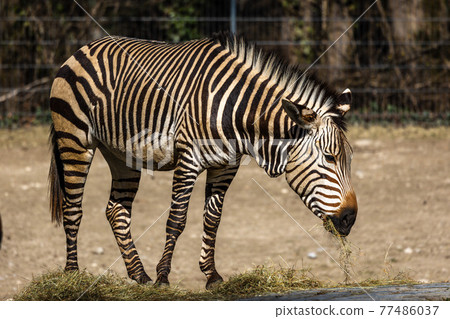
233 16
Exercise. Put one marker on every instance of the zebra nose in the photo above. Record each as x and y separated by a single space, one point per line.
344 221
347 217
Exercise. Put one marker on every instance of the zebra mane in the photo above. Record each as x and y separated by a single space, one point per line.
290 77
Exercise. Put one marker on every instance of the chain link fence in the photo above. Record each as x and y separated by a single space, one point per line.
396 66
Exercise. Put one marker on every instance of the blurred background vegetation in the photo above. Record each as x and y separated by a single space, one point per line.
395 59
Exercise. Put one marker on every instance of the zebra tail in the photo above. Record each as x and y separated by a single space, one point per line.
55 180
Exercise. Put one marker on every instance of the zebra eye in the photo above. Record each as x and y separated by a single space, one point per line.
330 159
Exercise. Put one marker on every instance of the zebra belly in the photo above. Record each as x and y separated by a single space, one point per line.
156 155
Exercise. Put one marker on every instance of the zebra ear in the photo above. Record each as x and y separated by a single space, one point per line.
300 114
343 102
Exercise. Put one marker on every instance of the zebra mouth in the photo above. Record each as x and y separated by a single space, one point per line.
330 225
326 221
322 216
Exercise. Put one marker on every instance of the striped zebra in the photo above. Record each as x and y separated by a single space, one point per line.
189 107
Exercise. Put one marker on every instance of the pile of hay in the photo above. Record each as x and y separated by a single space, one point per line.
262 280
60 285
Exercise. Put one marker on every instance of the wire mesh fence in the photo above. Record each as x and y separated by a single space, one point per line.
397 66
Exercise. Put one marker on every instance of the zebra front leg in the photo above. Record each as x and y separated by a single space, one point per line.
125 184
217 183
183 182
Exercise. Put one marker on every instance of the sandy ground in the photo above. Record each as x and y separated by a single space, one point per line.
401 178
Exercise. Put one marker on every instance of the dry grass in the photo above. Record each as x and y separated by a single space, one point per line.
345 250
402 278
262 280
60 285
409 132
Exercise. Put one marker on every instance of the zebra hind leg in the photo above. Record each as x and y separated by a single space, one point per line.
217 183
125 184
75 173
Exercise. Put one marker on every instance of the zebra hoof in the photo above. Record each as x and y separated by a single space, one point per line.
214 281
143 279
162 282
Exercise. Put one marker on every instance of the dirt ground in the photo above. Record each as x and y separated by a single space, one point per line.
401 178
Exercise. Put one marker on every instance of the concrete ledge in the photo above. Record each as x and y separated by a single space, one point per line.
435 291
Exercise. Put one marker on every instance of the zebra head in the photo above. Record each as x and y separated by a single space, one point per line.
318 167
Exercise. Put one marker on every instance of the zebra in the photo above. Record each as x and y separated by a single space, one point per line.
190 107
